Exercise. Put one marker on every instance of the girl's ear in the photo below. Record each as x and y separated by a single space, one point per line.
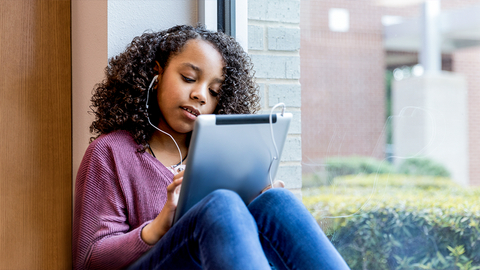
159 71
158 68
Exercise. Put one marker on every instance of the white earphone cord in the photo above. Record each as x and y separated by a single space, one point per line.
148 118
273 140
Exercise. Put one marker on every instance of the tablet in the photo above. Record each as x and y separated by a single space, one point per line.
234 152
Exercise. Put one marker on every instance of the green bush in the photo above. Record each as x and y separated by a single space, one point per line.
358 165
422 166
400 222
338 166
397 181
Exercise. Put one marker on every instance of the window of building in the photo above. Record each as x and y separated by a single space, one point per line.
384 96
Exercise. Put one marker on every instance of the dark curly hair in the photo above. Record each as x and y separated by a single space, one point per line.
119 101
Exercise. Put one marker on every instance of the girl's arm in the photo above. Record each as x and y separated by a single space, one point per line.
114 201
153 231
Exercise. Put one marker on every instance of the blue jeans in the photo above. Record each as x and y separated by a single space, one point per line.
221 232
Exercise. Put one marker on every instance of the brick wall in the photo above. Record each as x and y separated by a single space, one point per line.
343 92
467 62
274 45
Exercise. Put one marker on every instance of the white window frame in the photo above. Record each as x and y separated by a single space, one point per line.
208 15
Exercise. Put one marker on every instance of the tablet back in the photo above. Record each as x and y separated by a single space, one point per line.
231 152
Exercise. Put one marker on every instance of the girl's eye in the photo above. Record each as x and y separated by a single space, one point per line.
213 93
188 79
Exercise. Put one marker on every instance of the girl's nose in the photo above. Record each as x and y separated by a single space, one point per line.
200 94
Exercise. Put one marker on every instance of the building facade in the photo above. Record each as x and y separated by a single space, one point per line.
345 53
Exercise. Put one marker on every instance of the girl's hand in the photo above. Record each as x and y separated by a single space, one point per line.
276 184
153 231
173 192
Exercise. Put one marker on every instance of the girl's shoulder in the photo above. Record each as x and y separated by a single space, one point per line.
119 140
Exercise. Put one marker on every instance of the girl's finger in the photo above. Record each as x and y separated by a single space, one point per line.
174 184
179 175
177 189
278 184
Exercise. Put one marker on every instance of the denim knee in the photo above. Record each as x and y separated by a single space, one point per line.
226 204
224 197
275 200
279 191
278 194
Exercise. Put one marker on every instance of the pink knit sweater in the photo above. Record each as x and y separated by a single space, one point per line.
118 191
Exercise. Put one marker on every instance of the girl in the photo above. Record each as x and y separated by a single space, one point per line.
128 182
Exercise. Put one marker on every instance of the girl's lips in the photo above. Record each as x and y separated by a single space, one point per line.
192 111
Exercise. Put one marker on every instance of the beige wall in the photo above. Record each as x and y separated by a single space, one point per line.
89 59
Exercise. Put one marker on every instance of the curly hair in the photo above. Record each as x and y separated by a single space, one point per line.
119 101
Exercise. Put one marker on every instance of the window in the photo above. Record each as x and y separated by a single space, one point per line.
385 95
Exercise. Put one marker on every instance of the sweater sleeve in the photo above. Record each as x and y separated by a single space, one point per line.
102 237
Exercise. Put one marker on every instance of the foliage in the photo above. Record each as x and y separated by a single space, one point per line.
313 180
399 221
338 166
388 104
398 181
422 166
358 165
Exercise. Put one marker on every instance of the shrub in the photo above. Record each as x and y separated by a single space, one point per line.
397 181
423 166
400 222
313 180
357 165
338 166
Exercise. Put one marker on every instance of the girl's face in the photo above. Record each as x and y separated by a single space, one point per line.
189 85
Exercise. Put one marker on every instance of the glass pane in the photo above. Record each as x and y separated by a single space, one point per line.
387 122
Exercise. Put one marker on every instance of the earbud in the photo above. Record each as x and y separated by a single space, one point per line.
154 80
150 87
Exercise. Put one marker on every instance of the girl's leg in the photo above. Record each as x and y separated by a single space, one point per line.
290 236
217 233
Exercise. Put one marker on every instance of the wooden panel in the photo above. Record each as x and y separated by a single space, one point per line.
35 134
